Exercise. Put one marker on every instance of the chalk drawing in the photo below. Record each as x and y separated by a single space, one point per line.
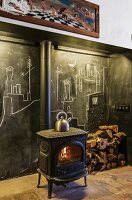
86 80
67 90
72 64
84 75
13 91
58 72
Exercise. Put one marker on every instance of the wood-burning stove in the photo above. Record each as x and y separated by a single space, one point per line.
62 156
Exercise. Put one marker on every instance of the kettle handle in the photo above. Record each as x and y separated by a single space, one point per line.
61 113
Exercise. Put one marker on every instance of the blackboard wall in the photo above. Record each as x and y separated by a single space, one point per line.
79 87
19 108
120 93
90 88
87 87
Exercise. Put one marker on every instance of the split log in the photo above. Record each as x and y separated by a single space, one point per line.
121 163
89 155
113 164
109 132
112 127
112 150
90 168
92 165
104 133
119 135
101 158
108 166
100 166
103 167
96 157
121 156
102 143
111 157
91 136
114 142
103 154
91 143
104 159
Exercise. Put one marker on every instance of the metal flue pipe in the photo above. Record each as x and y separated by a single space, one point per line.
45 79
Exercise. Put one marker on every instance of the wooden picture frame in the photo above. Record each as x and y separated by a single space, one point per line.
76 16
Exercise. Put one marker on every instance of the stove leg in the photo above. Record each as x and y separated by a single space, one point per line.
50 186
39 178
85 181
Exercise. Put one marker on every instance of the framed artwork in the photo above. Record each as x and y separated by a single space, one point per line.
77 16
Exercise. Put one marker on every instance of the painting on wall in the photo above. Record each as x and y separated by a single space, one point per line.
75 16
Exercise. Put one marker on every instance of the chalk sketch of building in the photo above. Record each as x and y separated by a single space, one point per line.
92 75
13 94
86 74
72 64
58 72
67 90
86 80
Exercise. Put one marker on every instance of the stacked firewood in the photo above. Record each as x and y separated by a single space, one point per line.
103 149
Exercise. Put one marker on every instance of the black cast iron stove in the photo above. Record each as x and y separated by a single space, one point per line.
62 156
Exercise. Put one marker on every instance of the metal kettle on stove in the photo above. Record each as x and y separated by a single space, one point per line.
62 124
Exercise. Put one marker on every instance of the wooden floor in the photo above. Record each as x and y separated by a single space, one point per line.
113 184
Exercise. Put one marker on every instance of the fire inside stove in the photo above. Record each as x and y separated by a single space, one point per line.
70 153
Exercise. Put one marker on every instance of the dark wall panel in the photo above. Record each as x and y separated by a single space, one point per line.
19 108
120 93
